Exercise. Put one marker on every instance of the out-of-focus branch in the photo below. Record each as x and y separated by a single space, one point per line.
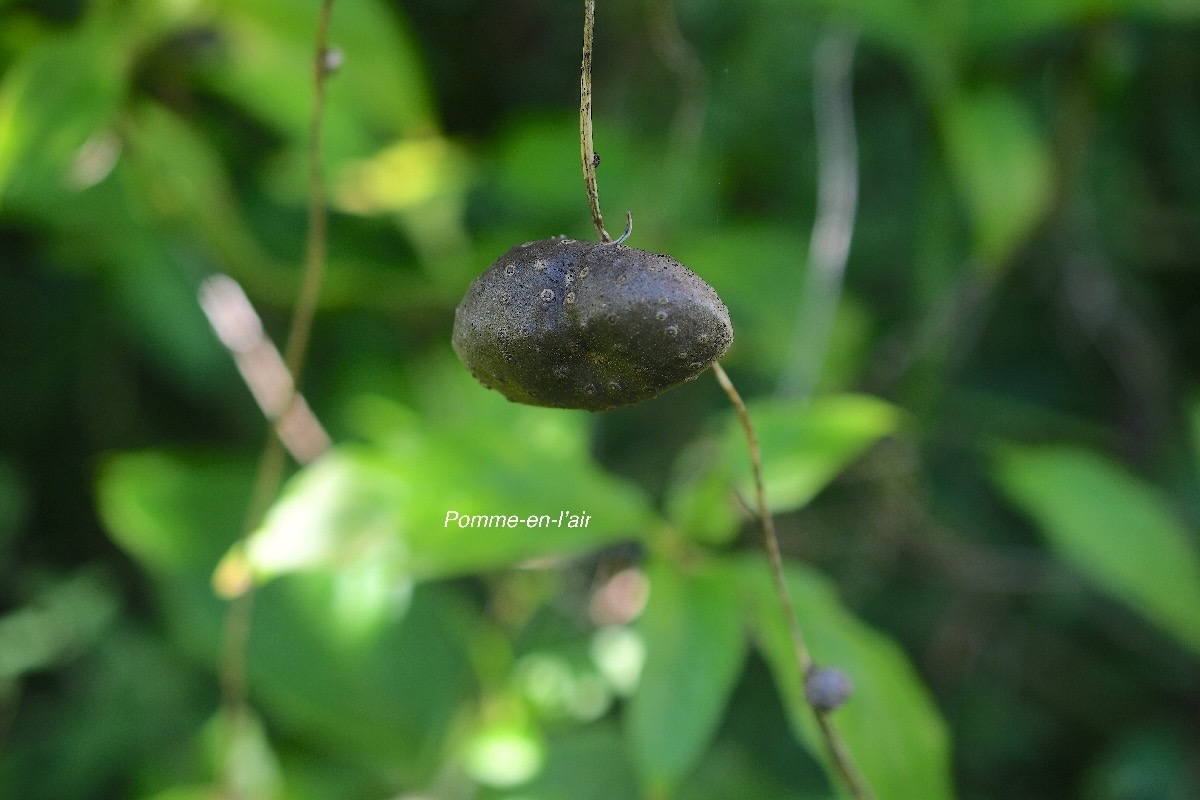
837 203
239 328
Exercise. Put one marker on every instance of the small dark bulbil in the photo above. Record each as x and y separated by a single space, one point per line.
827 688
572 324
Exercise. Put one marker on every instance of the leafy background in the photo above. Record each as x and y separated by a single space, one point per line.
990 509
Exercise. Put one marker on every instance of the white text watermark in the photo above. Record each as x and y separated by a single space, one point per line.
564 519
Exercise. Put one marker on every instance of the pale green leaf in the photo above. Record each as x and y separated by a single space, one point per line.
1113 526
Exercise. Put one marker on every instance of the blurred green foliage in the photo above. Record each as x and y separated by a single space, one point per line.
990 510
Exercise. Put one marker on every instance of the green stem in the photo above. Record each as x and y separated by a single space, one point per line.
271 466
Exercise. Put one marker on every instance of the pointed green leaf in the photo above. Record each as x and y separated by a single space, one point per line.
1112 526
1003 166
695 648
891 725
804 446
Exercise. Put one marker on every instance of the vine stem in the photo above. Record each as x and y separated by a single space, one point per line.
270 471
587 152
839 753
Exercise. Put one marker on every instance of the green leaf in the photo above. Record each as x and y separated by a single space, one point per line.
583 763
380 679
172 512
183 793
536 151
695 648
383 694
432 501
62 620
152 286
804 446
925 34
383 697
1010 19
52 100
378 94
1148 761
733 770
891 725
127 701
1003 167
242 756
1111 525
180 179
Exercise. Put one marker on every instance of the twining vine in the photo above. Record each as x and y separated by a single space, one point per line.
814 677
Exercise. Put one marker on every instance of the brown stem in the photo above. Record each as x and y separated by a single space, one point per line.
587 153
839 754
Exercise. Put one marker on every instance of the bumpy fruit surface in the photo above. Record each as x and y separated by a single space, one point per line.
572 324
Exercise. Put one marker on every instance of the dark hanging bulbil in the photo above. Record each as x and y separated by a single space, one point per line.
573 324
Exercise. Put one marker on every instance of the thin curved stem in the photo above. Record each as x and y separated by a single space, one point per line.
271 464
314 260
839 753
587 153
628 230
770 540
